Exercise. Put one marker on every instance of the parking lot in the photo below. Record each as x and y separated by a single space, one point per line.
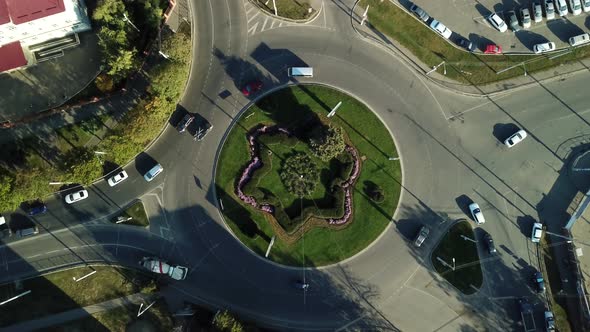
468 19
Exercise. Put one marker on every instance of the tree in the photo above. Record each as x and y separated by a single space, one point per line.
122 63
109 11
327 142
226 322
300 174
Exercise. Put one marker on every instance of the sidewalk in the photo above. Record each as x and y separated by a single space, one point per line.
556 73
74 314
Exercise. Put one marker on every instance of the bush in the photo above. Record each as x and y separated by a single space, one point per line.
374 192
300 175
104 83
226 322
327 142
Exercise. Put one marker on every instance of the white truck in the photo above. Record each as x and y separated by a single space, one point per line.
157 265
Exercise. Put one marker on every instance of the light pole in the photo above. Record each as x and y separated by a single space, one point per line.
85 276
468 238
126 19
393 158
434 68
333 111
365 15
56 183
453 263
15 297
272 241
99 153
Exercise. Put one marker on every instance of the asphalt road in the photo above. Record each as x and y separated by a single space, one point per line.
450 148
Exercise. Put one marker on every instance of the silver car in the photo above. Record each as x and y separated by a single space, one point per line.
549 9
525 17
422 235
586 5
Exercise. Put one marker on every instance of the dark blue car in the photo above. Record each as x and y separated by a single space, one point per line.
36 208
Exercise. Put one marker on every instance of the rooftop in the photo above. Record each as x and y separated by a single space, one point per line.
22 11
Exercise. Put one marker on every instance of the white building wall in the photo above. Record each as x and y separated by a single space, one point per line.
73 20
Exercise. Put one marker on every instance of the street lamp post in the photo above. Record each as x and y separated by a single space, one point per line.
100 153
393 158
85 276
468 238
333 111
453 263
126 19
434 68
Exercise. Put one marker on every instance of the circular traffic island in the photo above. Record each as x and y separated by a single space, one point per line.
323 187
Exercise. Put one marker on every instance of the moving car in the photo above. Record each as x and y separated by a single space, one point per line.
515 138
117 178
419 12
525 17
422 235
513 20
466 44
538 12
489 243
576 7
549 9
153 172
76 196
252 87
184 123
36 207
549 321
539 282
476 213
537 232
586 5
497 22
493 49
544 47
157 265
441 29
301 285
561 7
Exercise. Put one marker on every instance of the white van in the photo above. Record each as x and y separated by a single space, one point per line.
579 39
301 71
152 173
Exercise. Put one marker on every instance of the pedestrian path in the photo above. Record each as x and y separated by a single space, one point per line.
74 314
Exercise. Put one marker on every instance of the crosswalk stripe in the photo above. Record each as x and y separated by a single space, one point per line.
253 28
253 16
264 25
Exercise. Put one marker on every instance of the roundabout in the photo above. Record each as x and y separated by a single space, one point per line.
339 216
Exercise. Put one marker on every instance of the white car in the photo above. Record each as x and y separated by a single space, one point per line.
538 12
561 7
525 18
545 47
537 232
441 29
476 213
576 7
117 178
549 9
515 138
549 321
77 196
497 22
586 5
158 266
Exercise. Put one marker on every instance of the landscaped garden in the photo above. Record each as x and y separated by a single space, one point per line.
323 186
457 260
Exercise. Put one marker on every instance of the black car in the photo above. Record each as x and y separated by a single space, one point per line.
513 20
465 43
419 12
539 282
183 124
35 208
489 243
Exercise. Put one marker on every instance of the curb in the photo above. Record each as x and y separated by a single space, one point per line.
224 139
286 19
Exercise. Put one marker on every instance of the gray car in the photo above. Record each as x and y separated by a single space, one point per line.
419 12
513 20
549 9
422 235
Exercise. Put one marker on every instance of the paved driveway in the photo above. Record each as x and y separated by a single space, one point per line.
467 18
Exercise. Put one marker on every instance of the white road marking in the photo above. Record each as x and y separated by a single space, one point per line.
264 24
253 17
252 30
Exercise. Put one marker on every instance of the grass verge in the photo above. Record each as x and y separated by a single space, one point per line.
137 214
293 9
467 276
156 318
320 246
557 302
462 66
57 292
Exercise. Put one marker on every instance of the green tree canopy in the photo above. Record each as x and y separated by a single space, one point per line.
327 142
300 174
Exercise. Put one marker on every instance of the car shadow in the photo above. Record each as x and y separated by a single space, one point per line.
144 162
503 130
177 115
480 41
564 29
587 22
525 224
529 39
482 10
463 202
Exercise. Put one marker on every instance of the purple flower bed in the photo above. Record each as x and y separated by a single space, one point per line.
255 163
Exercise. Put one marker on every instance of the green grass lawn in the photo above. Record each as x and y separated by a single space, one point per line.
319 246
137 214
557 303
462 66
57 292
293 9
467 271
122 319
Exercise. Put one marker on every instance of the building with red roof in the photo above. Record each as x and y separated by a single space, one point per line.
27 23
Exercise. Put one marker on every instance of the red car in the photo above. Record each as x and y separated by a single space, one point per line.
251 88
493 49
